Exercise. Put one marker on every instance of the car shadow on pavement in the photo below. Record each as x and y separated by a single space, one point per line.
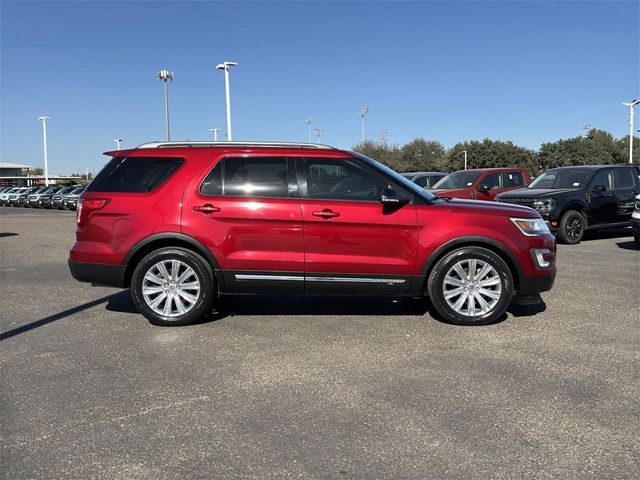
8 234
605 233
627 245
52 318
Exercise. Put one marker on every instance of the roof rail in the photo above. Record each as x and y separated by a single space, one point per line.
233 144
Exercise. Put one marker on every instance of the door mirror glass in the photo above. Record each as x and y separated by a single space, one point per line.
483 188
391 197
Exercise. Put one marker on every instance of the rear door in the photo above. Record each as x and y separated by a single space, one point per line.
352 243
245 211
626 187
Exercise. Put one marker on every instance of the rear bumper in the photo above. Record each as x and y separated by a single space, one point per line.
533 285
98 273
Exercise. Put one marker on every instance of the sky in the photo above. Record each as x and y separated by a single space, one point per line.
528 72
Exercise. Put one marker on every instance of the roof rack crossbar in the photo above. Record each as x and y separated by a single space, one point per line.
233 144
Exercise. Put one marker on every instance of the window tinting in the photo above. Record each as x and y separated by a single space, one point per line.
212 185
513 179
134 174
624 178
492 180
255 177
603 177
341 181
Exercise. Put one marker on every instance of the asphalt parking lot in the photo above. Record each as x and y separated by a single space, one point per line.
283 387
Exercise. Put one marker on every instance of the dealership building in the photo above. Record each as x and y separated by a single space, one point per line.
17 175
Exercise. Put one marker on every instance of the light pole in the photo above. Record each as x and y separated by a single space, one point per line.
215 133
309 121
362 111
631 104
225 66
165 76
319 132
465 159
117 140
44 138
383 136
586 128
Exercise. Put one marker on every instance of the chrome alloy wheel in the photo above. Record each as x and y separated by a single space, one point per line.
472 287
171 288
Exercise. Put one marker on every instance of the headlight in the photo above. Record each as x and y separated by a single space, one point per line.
545 205
531 226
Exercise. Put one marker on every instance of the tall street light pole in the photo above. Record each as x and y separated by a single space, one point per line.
465 159
225 66
362 111
309 121
166 76
319 132
631 104
44 138
117 140
215 133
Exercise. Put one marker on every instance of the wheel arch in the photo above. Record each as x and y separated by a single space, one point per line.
473 241
163 240
577 205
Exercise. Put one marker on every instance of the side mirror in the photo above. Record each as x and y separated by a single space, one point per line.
484 188
393 198
599 188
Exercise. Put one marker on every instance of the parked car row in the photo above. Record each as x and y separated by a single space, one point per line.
571 200
51 196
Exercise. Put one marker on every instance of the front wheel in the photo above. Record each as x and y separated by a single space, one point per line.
470 286
173 287
572 227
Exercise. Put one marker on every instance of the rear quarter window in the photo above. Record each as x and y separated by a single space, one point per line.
134 174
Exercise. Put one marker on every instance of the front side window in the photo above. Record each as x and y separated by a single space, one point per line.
248 177
492 181
339 180
603 177
134 174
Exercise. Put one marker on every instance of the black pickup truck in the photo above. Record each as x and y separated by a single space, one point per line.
574 199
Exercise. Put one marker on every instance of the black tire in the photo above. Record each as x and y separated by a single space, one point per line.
636 238
572 227
199 301
438 286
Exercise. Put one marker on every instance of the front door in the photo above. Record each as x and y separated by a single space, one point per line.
245 212
353 244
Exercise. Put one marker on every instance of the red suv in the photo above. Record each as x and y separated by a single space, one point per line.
481 183
182 223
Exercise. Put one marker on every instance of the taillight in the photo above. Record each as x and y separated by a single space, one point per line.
88 205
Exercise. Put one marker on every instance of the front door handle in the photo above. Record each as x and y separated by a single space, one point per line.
326 213
206 208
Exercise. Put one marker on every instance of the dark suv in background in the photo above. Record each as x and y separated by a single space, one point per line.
575 199
181 223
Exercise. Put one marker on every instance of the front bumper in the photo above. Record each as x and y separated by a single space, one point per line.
531 285
98 273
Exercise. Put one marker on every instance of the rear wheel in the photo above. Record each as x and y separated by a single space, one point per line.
572 227
173 287
470 286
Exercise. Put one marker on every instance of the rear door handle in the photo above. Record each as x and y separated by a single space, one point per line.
326 213
206 208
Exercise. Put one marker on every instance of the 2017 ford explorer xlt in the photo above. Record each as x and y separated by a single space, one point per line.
182 223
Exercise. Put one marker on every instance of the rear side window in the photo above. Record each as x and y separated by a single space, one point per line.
248 177
513 180
624 178
134 174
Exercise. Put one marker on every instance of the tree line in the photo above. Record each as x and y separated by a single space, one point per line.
596 147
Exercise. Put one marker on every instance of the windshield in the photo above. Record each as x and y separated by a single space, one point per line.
458 180
408 184
565 178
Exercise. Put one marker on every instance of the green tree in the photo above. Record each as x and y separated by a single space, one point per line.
491 153
623 149
422 155
382 152
597 147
